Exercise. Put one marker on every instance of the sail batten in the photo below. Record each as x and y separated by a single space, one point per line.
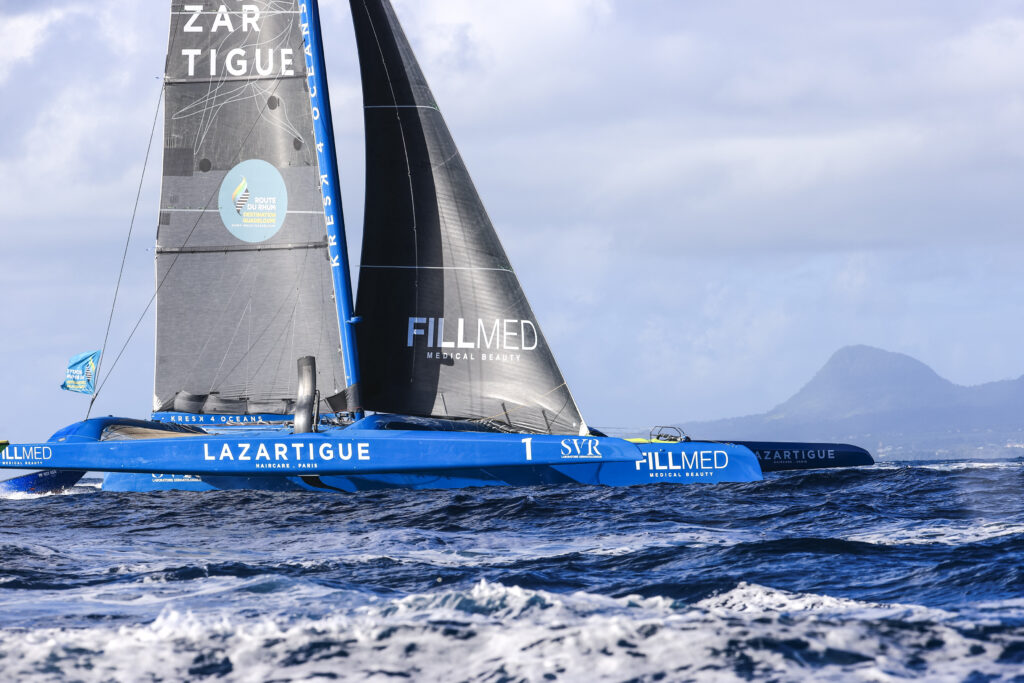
480 268
445 329
230 79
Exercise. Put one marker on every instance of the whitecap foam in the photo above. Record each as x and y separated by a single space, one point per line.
947 533
749 598
496 631
76 490
959 465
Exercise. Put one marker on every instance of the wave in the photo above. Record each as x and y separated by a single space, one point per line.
493 631
953 533
873 573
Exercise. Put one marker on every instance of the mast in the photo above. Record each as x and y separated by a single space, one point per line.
330 187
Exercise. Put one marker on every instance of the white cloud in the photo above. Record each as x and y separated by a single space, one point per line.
520 53
987 56
67 166
21 35
78 158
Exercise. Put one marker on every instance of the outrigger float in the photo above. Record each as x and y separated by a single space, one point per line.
453 384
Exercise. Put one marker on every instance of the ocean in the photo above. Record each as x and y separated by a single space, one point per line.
883 573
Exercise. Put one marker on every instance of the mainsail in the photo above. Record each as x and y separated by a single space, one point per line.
242 271
446 329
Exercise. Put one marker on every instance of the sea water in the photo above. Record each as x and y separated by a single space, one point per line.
875 574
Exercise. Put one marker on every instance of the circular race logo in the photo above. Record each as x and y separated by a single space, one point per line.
253 201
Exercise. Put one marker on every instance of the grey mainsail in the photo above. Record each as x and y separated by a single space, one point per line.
446 329
243 277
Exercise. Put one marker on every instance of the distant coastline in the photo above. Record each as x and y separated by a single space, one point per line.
892 404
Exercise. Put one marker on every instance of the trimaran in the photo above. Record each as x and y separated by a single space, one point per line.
453 385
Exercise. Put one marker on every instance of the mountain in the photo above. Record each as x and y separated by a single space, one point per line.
892 404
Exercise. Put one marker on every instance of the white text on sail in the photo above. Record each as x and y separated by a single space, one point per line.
251 60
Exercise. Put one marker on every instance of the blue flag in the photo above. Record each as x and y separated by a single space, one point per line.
82 373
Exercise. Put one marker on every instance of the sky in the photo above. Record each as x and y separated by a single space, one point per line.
703 200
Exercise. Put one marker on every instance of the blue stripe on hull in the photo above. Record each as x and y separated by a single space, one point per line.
265 419
597 474
130 482
145 483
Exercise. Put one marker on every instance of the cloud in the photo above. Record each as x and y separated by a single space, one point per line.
77 160
987 56
77 152
466 47
23 34
853 132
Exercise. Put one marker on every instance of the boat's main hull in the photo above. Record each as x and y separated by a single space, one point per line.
38 481
33 481
363 458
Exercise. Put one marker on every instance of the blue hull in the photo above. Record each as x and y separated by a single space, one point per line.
41 481
606 474
18 479
379 452
779 456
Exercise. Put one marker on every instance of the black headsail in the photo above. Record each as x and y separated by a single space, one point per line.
446 329
243 277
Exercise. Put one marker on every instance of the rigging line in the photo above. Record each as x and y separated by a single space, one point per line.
246 313
170 267
124 255
217 286
270 324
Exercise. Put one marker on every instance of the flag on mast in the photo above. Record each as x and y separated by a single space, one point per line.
81 373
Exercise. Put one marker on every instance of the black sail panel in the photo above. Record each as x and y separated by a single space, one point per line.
243 277
446 329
